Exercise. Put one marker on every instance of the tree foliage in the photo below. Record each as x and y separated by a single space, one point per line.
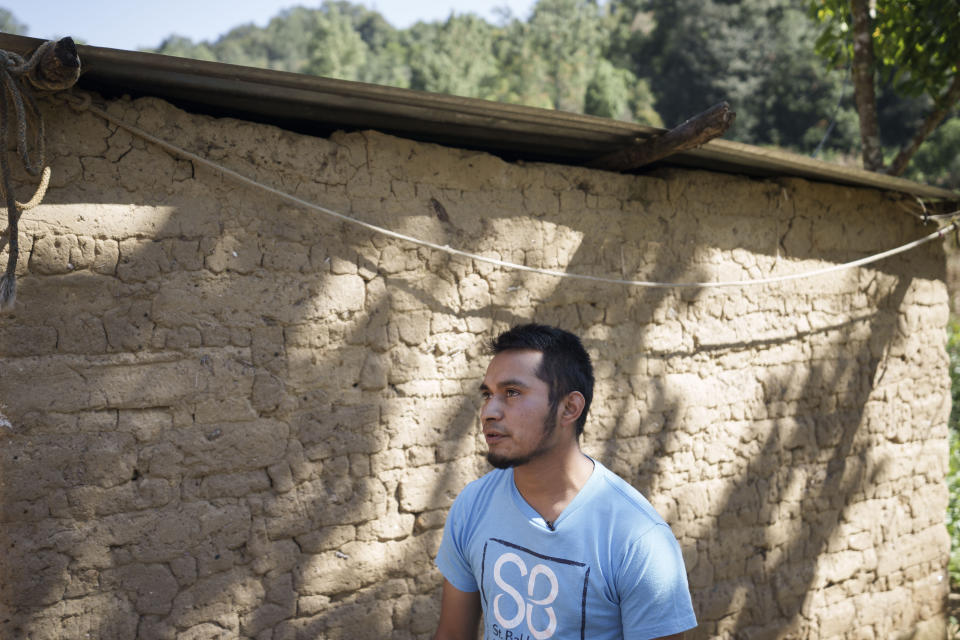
552 56
953 472
911 45
558 59
455 57
756 54
9 23
938 161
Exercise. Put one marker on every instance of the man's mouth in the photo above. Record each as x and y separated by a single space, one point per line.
493 437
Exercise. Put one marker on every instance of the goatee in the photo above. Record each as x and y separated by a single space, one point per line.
505 462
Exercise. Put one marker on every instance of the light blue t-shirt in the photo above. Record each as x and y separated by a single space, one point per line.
609 568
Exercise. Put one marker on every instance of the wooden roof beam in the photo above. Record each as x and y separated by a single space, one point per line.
694 132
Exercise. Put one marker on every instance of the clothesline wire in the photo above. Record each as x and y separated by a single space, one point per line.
81 103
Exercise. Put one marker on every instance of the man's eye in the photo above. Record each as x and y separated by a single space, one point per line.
485 395
512 392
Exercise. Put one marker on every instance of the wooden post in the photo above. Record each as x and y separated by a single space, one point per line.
694 132
58 67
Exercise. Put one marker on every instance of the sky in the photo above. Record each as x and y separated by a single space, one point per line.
133 24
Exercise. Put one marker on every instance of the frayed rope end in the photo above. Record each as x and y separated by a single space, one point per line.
8 292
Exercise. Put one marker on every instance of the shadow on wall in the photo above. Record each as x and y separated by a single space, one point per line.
783 455
783 513
229 438
232 419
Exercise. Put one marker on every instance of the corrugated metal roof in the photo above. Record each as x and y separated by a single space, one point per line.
318 106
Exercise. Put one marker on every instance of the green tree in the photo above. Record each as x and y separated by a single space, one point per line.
338 49
246 45
10 24
912 44
560 59
937 161
558 50
756 54
386 53
287 39
953 470
547 61
338 39
184 47
454 57
616 93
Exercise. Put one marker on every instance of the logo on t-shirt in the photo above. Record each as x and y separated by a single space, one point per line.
531 596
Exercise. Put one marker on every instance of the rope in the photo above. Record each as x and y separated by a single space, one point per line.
16 77
924 215
83 102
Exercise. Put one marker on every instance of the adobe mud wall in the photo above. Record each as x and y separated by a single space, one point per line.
227 417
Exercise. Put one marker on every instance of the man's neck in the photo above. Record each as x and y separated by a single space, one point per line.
550 482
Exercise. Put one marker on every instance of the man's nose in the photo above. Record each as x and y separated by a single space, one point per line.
491 411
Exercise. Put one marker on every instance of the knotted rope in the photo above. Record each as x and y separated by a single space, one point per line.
54 66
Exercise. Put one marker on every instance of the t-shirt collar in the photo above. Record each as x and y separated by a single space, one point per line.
583 496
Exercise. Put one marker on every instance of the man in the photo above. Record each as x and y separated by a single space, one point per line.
551 544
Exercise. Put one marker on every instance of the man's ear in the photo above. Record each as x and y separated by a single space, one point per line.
571 407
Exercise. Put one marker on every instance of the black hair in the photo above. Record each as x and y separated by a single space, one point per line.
565 367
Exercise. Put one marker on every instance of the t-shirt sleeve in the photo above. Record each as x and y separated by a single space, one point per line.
654 596
452 560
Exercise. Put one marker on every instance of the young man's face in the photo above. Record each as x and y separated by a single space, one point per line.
516 417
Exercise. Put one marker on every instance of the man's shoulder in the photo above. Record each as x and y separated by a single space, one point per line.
621 497
475 500
484 486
